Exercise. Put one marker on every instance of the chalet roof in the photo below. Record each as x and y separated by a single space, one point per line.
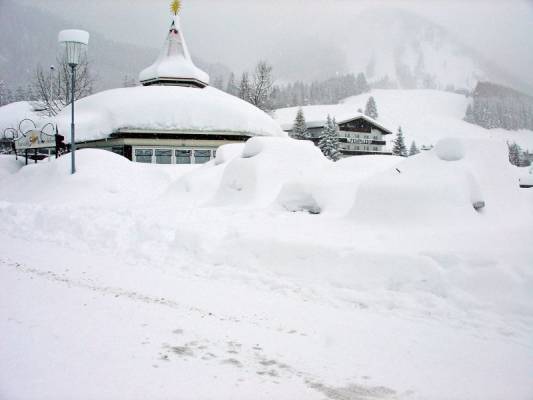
316 116
174 65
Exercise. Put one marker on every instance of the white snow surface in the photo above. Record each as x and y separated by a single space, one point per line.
425 116
221 281
12 114
170 108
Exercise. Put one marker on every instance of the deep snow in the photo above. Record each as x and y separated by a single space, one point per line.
145 281
424 115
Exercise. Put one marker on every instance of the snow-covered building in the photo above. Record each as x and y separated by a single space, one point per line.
175 117
358 134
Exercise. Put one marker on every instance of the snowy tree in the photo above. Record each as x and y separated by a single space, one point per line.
52 93
514 154
413 150
361 84
261 88
231 87
399 148
371 109
244 87
3 94
329 142
299 130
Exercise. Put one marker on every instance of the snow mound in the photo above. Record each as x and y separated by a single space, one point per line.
9 165
298 197
200 184
102 177
228 152
428 190
168 108
450 149
332 189
256 178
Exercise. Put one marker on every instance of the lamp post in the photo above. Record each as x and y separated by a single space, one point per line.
51 95
74 42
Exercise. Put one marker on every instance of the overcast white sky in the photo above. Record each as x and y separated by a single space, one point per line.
239 32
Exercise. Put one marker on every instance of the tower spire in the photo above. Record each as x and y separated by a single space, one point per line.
174 65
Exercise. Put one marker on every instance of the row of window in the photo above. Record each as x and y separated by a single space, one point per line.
173 156
360 148
360 135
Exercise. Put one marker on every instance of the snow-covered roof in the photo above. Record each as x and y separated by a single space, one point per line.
174 63
315 116
165 109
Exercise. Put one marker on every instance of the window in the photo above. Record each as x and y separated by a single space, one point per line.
375 148
118 150
202 156
183 156
143 155
163 156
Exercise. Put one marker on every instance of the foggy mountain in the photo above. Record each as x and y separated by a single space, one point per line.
394 47
28 37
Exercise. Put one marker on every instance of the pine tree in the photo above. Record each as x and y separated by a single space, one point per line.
514 154
399 148
244 87
329 143
299 130
361 85
413 150
371 109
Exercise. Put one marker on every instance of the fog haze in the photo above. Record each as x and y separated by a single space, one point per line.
305 39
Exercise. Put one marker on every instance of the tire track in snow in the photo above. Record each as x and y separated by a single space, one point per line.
263 364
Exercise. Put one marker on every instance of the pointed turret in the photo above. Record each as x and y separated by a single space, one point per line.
174 65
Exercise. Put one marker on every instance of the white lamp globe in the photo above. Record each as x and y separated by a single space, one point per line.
75 42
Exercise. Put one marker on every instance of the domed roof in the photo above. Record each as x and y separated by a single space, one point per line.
174 65
174 109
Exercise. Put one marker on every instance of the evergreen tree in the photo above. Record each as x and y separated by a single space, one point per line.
399 148
514 154
329 143
361 84
244 87
218 82
299 130
371 110
413 150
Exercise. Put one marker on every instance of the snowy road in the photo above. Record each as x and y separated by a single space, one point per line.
135 332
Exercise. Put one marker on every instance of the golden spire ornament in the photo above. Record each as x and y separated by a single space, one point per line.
175 7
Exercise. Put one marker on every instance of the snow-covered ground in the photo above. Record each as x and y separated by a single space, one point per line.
424 115
268 273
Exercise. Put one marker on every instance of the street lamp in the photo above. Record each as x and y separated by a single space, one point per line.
51 95
74 42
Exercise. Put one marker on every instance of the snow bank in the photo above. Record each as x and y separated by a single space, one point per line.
200 184
102 177
9 165
170 108
429 189
257 176
425 116
332 189
11 115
